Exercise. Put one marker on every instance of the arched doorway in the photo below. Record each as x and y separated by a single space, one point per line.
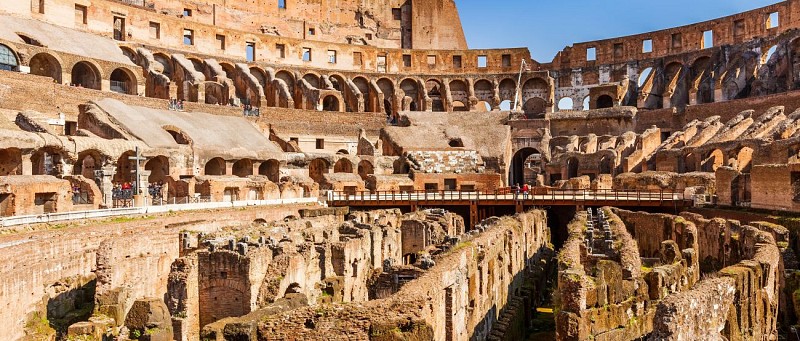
330 103
526 165
365 168
88 162
159 169
535 107
123 81
318 168
343 166
125 168
43 64
744 159
714 160
434 90
364 87
572 168
387 88
46 161
605 101
606 165
8 59
85 75
411 91
215 166
271 169
243 168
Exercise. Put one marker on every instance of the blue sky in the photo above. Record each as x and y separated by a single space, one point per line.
547 26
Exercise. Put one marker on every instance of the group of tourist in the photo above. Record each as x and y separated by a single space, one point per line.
155 190
122 191
524 190
250 110
175 104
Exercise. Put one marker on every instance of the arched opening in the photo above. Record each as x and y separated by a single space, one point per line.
46 161
10 162
8 59
198 65
387 88
125 168
744 159
243 168
534 107
179 136
318 168
342 152
343 166
43 64
714 160
460 106
287 78
484 91
411 92
456 143
605 101
701 74
363 86
587 102
215 166
508 90
312 80
330 103
768 55
566 103
535 88
483 106
122 81
163 64
365 168
572 168
606 165
159 169
85 75
260 76
434 90
460 94
88 161
505 105
271 169
526 165
644 76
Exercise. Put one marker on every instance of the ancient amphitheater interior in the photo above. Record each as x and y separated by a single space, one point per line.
351 170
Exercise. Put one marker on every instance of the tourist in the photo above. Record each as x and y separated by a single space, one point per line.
516 191
525 190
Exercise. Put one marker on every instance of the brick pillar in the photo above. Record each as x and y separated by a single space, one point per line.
106 184
27 164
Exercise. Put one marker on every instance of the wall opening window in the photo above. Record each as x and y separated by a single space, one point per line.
677 40
282 4
320 144
591 54
80 15
312 31
456 62
739 28
708 39
41 6
332 56
8 61
188 37
773 20
618 50
647 45
187 12
406 60
220 41
483 61
306 54
431 60
382 63
250 51
358 60
155 30
280 50
506 60
119 28
397 14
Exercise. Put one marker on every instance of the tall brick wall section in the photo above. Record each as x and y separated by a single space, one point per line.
34 261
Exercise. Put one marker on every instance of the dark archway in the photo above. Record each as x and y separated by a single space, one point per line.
343 166
525 166
47 161
330 103
604 101
215 166
243 168
606 165
158 167
271 169
365 168
43 64
86 75
318 168
123 81
572 168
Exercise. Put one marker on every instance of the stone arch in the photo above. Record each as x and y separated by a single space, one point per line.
713 160
644 75
535 106
435 92
271 169
123 81
47 161
87 75
364 87
215 166
163 64
159 169
312 79
338 82
10 161
131 54
459 92
526 165
318 168
410 89
198 65
587 102
9 60
744 159
47 65
508 89
243 168
604 101
572 167
365 168
702 80
484 91
88 161
287 77
387 88
566 103
178 135
460 106
606 165
343 166
228 69
331 103
125 167
259 75
535 87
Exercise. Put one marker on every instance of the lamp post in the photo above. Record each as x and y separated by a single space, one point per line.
519 80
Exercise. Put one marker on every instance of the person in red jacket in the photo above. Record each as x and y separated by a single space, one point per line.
525 190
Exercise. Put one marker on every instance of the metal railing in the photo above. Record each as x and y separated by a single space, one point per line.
506 194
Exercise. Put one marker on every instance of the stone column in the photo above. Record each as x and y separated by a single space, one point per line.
27 164
106 184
